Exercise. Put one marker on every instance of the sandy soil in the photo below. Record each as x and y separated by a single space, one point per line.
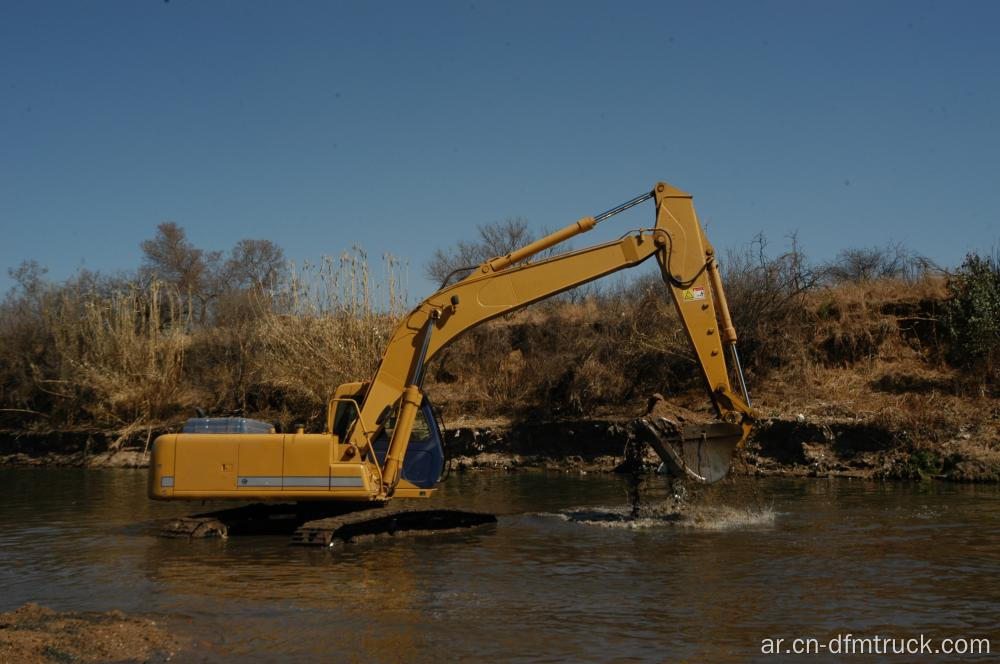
34 633
658 406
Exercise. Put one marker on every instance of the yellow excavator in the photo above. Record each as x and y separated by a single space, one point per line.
381 441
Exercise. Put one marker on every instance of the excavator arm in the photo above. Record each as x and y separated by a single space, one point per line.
502 285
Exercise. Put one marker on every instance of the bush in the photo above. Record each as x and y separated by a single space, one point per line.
860 265
766 299
972 317
128 354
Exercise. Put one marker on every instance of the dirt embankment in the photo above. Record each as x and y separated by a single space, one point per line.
791 445
788 447
832 447
69 448
860 377
35 634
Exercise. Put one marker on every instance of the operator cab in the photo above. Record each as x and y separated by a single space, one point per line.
424 460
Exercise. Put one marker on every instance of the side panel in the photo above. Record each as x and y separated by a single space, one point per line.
261 462
161 468
204 463
254 467
307 462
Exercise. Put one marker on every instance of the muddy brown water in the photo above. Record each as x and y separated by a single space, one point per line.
836 556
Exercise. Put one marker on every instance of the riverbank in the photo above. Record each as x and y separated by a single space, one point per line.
790 446
85 449
779 447
859 378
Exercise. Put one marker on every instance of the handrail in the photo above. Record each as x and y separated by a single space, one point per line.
364 430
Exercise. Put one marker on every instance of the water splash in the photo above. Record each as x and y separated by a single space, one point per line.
699 517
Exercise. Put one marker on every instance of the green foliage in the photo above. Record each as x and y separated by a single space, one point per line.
924 463
918 464
972 317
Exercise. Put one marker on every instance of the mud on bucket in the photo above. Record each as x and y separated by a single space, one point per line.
701 452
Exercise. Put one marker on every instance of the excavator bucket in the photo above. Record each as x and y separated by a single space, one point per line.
697 451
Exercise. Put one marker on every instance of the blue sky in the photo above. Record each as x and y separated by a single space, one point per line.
401 126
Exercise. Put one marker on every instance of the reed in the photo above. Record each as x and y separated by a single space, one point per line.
129 356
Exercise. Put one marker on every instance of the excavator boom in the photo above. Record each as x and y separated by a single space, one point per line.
500 285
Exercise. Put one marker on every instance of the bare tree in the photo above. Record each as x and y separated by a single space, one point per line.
254 264
204 276
172 259
765 295
860 265
30 278
497 238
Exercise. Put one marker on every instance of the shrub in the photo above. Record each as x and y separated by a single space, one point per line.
972 317
860 265
766 299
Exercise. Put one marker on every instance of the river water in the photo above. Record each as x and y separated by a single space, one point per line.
889 559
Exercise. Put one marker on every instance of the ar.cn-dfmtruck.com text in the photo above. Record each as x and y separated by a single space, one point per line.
854 644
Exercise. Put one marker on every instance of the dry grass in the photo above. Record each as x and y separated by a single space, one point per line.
128 359
875 354
120 360
565 359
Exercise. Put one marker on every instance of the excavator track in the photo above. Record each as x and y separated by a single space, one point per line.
332 524
255 519
365 525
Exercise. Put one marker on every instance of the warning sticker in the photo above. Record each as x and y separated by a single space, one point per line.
696 293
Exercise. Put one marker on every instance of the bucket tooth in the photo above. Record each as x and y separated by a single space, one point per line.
701 452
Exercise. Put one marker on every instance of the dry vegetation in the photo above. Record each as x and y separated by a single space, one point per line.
130 357
881 340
